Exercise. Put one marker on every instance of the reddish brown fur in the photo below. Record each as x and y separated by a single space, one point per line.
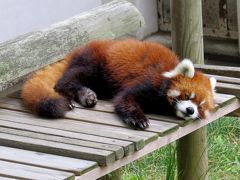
127 63
200 85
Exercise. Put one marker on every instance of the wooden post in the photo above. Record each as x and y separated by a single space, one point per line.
187 36
115 175
238 14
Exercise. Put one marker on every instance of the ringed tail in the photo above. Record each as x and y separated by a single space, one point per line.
38 92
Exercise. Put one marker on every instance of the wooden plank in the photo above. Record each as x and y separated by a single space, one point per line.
111 119
20 171
148 137
85 139
226 88
162 141
232 15
37 49
118 150
220 99
225 79
116 137
102 106
103 157
238 15
48 161
219 70
211 14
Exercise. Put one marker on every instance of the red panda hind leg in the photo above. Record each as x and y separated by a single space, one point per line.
73 83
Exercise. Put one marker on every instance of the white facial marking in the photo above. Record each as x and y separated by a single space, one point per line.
201 103
193 95
213 83
181 109
173 93
185 67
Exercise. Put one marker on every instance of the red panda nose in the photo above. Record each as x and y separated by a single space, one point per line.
190 110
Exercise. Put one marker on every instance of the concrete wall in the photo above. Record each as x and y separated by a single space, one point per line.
21 16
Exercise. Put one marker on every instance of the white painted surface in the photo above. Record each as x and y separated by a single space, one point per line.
22 16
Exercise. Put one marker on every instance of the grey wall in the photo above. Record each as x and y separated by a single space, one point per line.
22 16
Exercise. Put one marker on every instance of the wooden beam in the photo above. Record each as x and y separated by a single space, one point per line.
187 38
219 70
238 14
35 50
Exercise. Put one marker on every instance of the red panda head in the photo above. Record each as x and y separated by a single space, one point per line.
190 93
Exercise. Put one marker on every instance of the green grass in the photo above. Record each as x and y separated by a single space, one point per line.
223 151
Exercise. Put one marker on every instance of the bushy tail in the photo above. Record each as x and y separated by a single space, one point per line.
38 92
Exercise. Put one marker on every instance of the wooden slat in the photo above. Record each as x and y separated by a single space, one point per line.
114 120
118 150
219 70
103 106
227 88
220 99
128 146
162 141
111 119
232 15
225 79
238 17
48 161
20 171
103 157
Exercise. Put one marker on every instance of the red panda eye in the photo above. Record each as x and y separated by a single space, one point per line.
187 97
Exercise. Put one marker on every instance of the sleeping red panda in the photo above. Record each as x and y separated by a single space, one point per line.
139 76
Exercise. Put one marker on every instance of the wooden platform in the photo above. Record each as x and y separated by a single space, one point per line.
88 143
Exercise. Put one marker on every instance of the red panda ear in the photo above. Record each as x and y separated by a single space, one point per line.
185 67
213 83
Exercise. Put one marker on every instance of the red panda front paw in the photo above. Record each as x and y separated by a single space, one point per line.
136 123
87 97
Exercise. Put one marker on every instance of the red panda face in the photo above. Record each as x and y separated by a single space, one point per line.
190 93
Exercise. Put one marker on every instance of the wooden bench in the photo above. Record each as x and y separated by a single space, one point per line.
88 143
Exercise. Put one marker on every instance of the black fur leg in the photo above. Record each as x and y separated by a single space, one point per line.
86 97
81 72
137 123
129 110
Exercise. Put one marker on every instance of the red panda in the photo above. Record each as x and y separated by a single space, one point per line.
139 76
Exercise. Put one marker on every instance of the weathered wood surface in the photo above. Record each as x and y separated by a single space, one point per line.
219 70
187 39
32 51
162 141
76 137
219 18
225 79
21 171
48 161
238 14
